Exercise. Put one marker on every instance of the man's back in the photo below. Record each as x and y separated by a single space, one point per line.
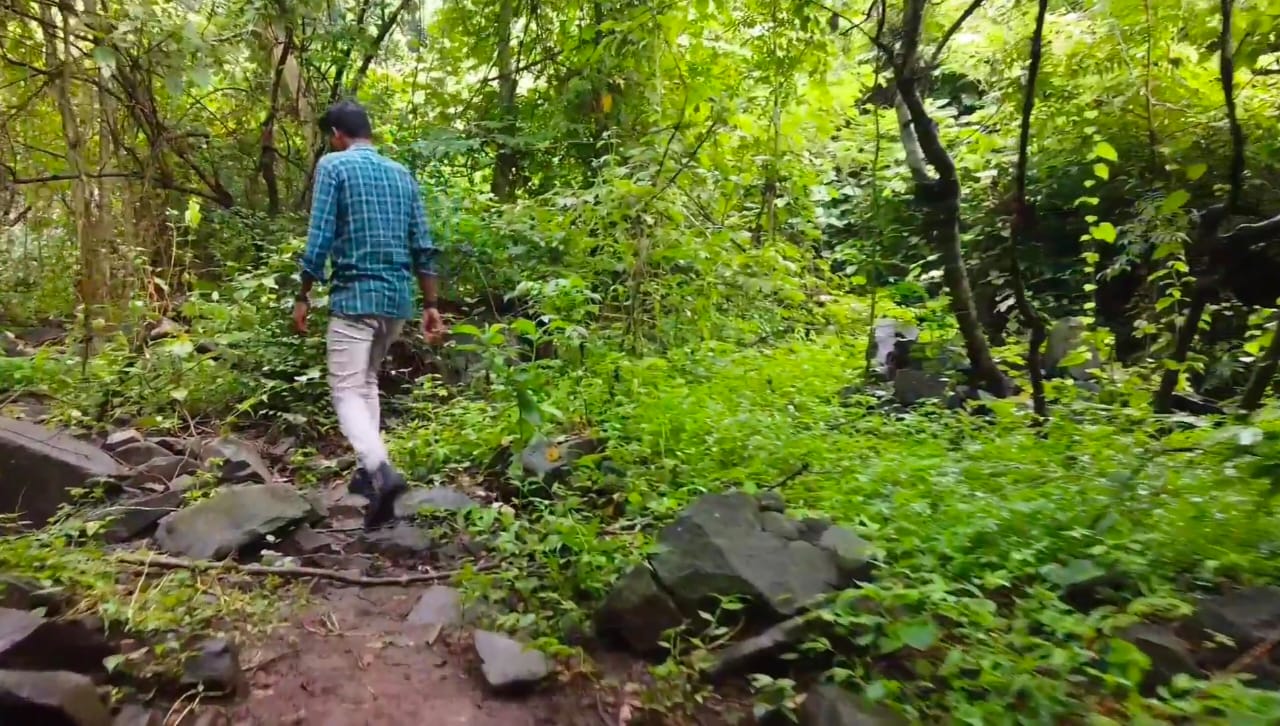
367 220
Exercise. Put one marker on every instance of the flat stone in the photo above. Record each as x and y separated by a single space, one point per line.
20 593
418 500
163 470
39 468
439 608
399 540
131 519
122 438
507 664
305 541
241 461
214 666
745 655
31 642
139 453
230 519
638 611
50 697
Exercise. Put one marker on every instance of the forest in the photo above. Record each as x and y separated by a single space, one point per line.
808 361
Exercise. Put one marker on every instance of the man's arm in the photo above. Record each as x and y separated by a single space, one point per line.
322 227
423 251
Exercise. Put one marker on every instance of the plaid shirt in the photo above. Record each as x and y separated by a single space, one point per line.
368 222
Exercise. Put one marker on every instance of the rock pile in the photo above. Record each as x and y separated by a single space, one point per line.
732 545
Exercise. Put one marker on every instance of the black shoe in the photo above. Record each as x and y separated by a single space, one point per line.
387 485
361 483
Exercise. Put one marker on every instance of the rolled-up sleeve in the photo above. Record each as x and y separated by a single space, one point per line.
421 246
324 222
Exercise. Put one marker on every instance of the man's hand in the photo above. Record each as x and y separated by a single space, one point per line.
433 326
300 310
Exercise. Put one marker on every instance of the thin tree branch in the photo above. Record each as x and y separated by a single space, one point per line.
178 563
951 31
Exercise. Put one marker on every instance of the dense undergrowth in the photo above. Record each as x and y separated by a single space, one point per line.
982 523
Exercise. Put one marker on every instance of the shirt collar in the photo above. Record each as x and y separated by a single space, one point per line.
361 146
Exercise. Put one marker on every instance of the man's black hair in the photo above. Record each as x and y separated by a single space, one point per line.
348 117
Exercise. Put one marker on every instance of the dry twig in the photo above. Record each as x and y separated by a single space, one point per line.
179 563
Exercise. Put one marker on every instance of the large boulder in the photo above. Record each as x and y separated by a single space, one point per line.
718 547
139 453
232 518
54 698
39 467
1169 654
1245 618
732 545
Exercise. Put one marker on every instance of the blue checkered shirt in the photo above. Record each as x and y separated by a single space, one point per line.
368 223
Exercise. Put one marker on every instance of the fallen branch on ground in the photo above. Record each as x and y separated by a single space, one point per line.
179 563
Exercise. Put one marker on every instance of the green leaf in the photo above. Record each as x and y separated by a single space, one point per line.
1075 572
1195 171
1103 150
104 56
921 635
1174 201
1101 171
1104 231
178 394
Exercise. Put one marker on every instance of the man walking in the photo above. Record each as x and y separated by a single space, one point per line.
368 224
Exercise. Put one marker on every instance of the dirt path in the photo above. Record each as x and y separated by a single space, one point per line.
350 660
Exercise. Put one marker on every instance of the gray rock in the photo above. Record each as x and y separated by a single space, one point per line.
911 386
134 715
507 664
50 697
747 654
130 519
241 461
638 611
306 541
1169 654
163 470
31 642
164 328
717 548
436 498
779 524
230 519
1064 338
829 705
852 553
213 667
139 453
771 501
547 459
1247 617
812 528
20 593
39 468
400 540
438 609
122 438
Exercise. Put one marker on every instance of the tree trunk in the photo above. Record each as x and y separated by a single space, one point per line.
92 285
503 185
940 192
1182 348
269 154
1266 370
